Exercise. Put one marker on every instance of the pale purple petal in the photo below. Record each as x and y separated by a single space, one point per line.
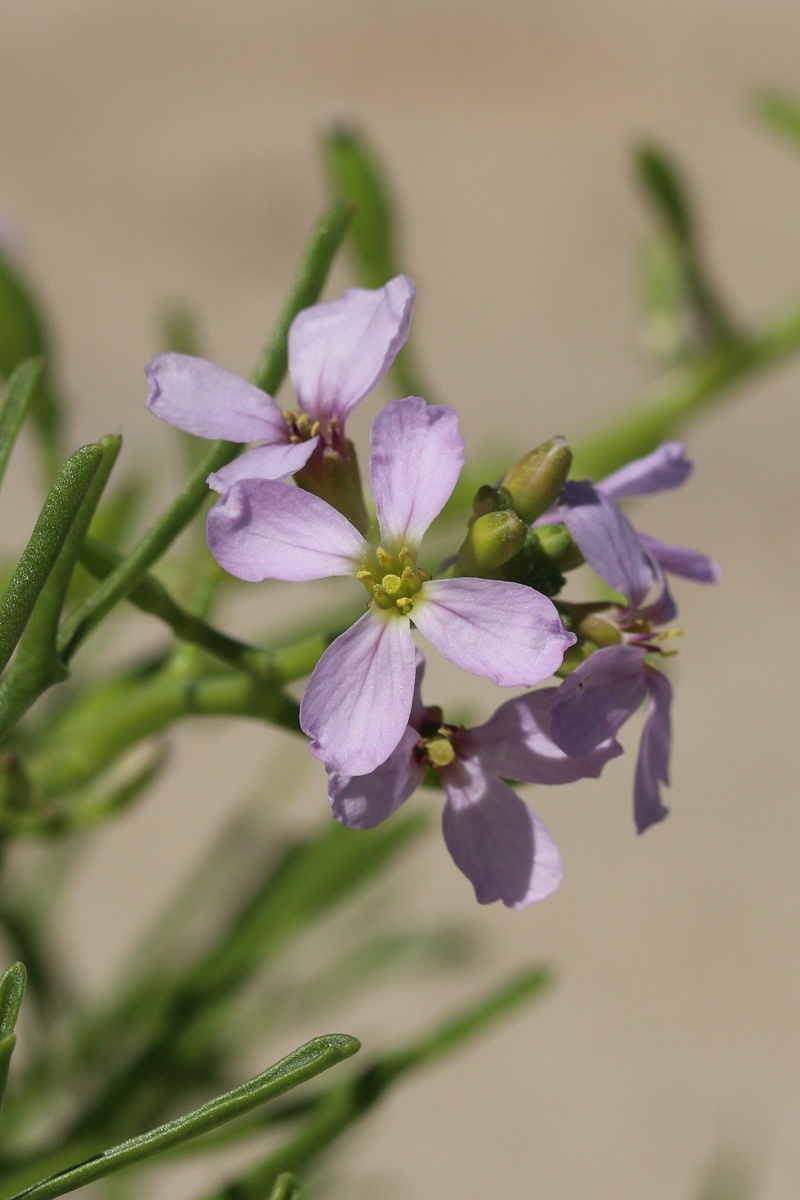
417 456
517 743
681 560
494 838
202 398
262 529
652 765
358 700
340 351
506 631
274 461
363 801
664 469
607 540
597 698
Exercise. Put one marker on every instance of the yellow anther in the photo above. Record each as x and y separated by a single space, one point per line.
315 428
440 752
364 575
384 559
404 605
392 584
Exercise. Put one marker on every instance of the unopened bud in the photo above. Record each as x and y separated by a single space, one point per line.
535 482
491 541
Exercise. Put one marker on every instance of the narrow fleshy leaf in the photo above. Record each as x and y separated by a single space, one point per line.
652 764
358 700
302 1064
363 801
417 456
340 351
273 461
263 529
59 513
356 175
12 990
17 397
506 631
597 698
496 840
210 402
517 743
666 468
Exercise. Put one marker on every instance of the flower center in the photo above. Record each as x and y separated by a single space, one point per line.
392 580
435 747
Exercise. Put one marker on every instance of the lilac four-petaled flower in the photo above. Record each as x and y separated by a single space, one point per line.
597 698
357 703
631 562
338 352
493 836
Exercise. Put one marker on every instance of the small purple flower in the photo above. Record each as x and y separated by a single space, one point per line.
631 562
597 698
493 837
357 703
338 352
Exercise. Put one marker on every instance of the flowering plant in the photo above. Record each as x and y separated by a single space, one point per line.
533 573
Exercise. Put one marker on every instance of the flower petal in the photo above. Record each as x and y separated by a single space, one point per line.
417 707
340 351
666 468
516 743
202 398
494 838
607 540
597 698
503 630
358 699
363 801
681 560
273 461
652 764
417 456
262 529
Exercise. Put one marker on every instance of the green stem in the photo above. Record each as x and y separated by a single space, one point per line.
114 720
684 392
303 1064
269 373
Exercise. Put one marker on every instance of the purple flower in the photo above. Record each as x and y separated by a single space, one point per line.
596 699
493 837
357 703
631 562
338 352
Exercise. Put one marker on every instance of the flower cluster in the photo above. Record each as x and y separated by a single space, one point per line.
493 610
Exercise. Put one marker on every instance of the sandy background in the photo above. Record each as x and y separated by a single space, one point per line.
160 148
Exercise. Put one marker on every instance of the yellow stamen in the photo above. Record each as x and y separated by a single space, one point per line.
440 752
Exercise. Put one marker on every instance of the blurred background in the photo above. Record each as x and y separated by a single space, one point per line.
162 150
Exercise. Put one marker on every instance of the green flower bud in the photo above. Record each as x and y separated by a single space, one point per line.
535 482
491 541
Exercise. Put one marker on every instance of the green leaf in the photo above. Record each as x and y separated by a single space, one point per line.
22 336
286 1188
302 1064
21 386
663 185
780 112
354 173
12 990
58 515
